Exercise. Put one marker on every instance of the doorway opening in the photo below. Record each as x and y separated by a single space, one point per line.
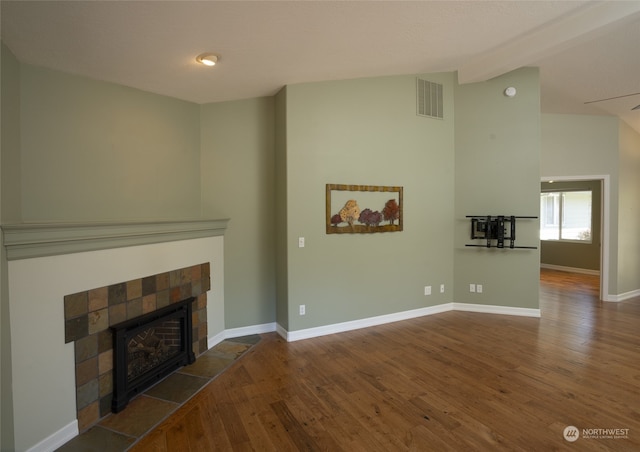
584 256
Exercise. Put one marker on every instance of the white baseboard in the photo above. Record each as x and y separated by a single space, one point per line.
562 268
324 330
492 309
291 336
215 340
281 331
623 296
239 332
57 439
249 330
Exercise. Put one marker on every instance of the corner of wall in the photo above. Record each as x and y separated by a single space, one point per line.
628 263
282 316
9 211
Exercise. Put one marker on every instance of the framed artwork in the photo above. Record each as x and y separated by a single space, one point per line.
363 209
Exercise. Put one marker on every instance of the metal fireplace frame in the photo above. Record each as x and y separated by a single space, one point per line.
124 390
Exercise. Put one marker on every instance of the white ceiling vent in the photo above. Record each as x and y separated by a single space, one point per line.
429 99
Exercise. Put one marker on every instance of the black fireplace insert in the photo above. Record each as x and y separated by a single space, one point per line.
148 348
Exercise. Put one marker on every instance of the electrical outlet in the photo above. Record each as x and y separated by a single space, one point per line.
479 288
303 309
472 287
441 288
427 290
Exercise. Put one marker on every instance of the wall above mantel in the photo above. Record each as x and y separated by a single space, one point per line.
30 240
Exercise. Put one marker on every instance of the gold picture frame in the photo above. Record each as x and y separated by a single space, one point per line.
372 208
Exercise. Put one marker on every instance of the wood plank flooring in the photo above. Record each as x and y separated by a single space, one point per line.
454 381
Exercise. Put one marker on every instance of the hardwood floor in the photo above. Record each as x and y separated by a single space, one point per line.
453 381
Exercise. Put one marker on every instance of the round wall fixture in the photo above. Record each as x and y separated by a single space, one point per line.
510 92
208 59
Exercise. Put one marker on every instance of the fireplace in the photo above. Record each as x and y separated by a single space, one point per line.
148 348
82 278
90 314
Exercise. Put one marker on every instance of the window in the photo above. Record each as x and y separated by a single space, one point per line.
566 215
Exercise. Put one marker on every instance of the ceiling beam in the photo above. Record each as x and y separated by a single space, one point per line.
584 24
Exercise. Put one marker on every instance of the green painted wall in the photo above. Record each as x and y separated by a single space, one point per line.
11 160
628 277
99 151
237 172
9 211
366 132
497 161
572 254
580 145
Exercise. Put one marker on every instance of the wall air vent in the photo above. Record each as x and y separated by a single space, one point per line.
429 102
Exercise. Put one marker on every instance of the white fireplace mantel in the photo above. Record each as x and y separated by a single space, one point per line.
29 240
50 261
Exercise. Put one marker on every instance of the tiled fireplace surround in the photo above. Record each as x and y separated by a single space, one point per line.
89 314
77 260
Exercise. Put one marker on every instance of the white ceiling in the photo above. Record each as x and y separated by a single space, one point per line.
586 50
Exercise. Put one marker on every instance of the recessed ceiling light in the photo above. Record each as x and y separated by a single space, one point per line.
208 59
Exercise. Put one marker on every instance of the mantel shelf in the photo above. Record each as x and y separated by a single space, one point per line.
30 240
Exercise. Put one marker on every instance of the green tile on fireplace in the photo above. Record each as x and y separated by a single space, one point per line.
252 339
117 293
98 439
75 305
139 416
207 365
177 387
230 349
148 285
75 329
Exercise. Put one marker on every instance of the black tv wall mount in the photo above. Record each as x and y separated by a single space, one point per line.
493 230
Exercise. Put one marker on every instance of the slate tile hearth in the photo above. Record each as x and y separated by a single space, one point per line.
119 432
